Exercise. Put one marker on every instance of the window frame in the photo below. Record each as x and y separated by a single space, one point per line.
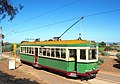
51 50
26 50
85 53
90 54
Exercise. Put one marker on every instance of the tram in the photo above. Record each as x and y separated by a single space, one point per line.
74 58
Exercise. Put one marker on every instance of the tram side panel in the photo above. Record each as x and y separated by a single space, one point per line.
86 67
27 58
55 64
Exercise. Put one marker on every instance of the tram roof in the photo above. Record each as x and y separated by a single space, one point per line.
59 43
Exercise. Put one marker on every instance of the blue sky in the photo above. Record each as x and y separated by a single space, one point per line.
103 27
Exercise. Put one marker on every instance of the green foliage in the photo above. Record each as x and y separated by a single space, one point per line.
114 44
102 44
118 49
118 56
7 9
107 48
7 48
101 49
104 53
100 60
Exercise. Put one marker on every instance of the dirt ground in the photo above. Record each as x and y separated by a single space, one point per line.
21 77
16 76
111 64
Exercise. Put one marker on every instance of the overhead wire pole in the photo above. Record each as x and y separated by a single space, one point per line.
70 27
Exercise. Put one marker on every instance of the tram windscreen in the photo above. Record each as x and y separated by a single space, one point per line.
92 54
83 54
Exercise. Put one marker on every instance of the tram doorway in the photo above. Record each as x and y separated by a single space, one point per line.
73 54
36 56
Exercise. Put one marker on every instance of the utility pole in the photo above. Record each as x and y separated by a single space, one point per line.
0 43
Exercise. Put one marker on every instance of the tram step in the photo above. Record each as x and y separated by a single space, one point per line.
35 65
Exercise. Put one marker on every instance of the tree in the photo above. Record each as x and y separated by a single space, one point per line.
6 9
114 44
102 44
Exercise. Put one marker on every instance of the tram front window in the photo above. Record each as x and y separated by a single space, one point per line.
92 54
83 54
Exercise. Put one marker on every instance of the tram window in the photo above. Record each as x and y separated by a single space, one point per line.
72 53
32 50
82 54
29 50
21 49
25 50
92 54
40 50
44 51
48 51
52 52
63 53
57 52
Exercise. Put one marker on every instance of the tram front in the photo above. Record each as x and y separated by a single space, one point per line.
87 62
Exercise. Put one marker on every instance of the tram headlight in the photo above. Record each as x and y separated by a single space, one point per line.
94 68
88 70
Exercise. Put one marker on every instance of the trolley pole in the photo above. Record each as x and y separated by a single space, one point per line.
0 43
14 47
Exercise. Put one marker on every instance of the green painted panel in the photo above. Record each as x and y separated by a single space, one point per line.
53 63
84 67
26 57
71 66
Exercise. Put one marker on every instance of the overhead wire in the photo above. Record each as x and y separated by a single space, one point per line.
50 24
94 14
89 15
45 13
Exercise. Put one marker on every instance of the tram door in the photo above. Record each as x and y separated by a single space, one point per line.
36 55
73 54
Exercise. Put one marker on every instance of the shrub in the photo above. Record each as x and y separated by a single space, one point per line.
104 53
100 60
107 48
101 49
7 48
118 49
118 56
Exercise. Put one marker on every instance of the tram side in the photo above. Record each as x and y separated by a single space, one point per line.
55 58
74 61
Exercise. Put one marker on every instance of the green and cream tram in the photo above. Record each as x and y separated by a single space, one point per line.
74 58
